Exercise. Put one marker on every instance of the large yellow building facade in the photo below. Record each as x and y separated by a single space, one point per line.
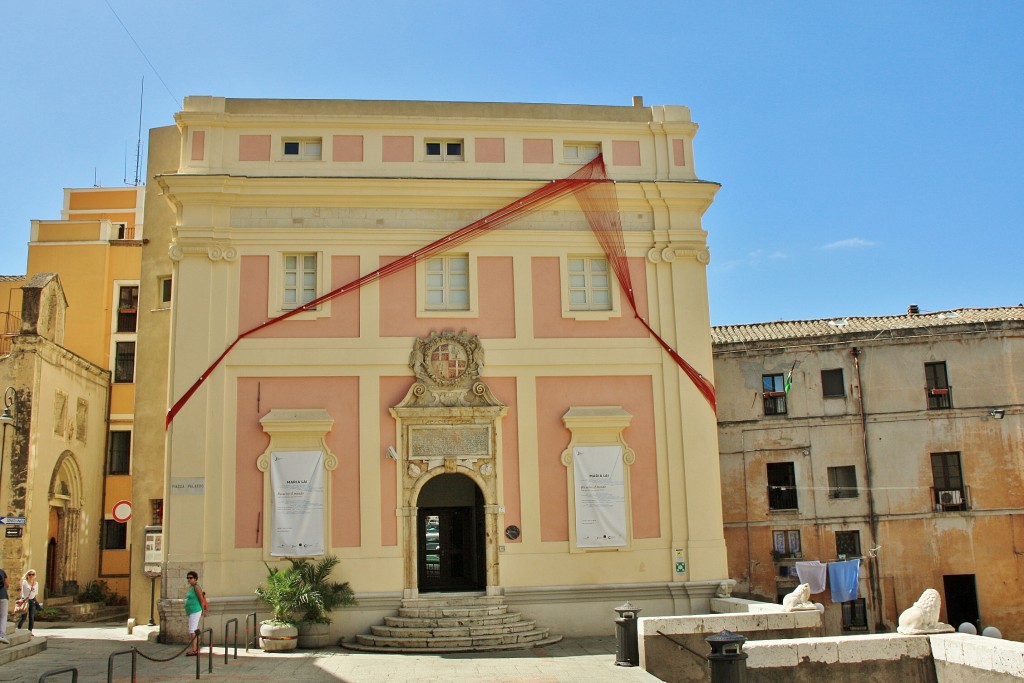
432 468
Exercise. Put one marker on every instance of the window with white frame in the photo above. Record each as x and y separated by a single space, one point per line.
580 152
299 285
445 150
119 452
302 149
124 362
447 283
127 308
165 284
589 284
842 481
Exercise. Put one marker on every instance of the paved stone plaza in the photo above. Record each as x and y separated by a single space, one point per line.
573 660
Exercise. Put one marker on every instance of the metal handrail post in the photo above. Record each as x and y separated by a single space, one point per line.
254 631
110 663
226 624
210 659
72 669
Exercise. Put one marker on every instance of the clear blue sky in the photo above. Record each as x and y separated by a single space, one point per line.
870 153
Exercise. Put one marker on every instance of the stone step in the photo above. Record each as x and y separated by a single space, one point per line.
23 644
455 612
59 601
470 631
443 622
453 600
508 641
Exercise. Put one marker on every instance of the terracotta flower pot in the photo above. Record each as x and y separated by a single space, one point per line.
278 637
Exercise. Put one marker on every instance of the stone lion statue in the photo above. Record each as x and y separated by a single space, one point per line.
923 615
799 599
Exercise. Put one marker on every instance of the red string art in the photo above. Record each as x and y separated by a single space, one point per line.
595 193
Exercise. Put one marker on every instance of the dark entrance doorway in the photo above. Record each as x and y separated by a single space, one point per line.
961 600
450 535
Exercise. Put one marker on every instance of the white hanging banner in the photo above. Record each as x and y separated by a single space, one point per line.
598 472
297 488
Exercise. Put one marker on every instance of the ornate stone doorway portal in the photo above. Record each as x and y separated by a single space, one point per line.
449 423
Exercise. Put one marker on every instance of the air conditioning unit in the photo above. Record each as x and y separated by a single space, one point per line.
953 497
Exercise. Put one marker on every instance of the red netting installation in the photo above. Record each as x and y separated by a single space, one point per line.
602 215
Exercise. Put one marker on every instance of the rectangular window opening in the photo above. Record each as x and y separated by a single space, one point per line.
115 535
303 149
300 278
832 384
119 452
444 150
124 362
447 283
589 284
848 544
855 615
782 494
937 388
842 482
580 152
949 492
127 309
774 394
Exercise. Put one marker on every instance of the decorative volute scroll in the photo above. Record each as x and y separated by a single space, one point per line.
597 426
297 430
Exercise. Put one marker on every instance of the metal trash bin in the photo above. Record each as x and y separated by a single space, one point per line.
727 658
627 648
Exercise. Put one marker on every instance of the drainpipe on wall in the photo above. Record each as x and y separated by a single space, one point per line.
876 593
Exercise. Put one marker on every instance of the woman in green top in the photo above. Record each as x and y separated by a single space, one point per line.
195 607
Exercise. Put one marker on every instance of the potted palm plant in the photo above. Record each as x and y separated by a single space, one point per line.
314 624
285 594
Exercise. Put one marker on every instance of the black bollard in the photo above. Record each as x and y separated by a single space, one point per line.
727 658
627 649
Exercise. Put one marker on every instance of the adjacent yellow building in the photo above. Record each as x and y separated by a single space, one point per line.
490 419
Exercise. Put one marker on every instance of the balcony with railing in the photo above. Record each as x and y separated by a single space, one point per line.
782 498
774 402
10 325
939 398
953 499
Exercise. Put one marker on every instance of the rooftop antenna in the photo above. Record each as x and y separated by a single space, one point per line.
138 146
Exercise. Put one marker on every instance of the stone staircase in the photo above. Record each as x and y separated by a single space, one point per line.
453 622
86 612
23 644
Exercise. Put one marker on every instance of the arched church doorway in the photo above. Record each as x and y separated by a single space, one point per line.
450 533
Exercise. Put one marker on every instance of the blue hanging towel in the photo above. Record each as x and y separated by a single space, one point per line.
842 578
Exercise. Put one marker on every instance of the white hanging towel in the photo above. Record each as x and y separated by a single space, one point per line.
813 574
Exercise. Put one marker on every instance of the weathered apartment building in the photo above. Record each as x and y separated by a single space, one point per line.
894 439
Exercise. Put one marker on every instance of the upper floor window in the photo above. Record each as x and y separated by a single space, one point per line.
447 283
119 452
948 482
842 482
165 285
774 394
847 544
855 615
589 284
940 394
782 486
124 362
580 152
786 544
127 308
302 149
299 280
115 535
444 150
832 384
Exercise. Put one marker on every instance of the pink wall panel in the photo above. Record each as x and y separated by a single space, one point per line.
555 395
254 274
504 389
392 390
348 148
625 152
678 152
538 151
254 148
397 148
256 397
198 145
547 305
496 309
490 150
